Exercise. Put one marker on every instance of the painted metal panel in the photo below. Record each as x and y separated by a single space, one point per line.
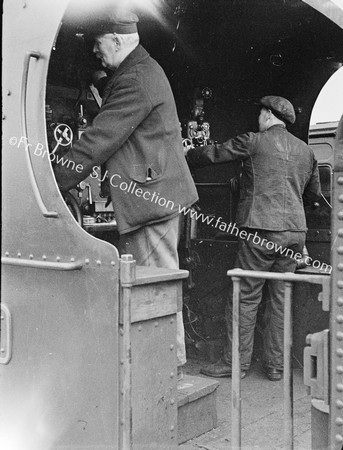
59 388
336 307
154 385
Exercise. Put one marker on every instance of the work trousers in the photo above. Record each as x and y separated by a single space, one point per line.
156 246
256 254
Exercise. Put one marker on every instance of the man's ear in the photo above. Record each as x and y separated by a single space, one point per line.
117 41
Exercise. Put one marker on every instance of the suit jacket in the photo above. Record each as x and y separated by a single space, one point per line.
137 134
279 171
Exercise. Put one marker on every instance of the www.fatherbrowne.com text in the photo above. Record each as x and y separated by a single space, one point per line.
131 187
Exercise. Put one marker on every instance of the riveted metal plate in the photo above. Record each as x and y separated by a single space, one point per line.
154 383
336 416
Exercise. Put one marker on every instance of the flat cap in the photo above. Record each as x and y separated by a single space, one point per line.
112 20
280 107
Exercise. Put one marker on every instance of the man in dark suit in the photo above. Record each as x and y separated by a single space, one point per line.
279 171
137 136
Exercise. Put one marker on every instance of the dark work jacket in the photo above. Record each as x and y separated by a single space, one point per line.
137 134
279 171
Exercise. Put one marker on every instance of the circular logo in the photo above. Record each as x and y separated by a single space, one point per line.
63 134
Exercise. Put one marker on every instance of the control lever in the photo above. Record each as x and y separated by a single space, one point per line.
82 187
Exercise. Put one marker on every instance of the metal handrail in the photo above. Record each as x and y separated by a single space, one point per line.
5 334
289 278
127 280
34 264
41 205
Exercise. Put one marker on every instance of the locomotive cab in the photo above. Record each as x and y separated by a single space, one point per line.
87 338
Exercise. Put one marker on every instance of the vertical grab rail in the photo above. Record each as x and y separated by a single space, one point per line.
289 279
127 279
236 363
33 181
5 334
287 368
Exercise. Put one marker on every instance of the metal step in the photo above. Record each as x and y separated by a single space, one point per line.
197 410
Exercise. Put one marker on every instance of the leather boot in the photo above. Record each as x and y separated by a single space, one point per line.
220 369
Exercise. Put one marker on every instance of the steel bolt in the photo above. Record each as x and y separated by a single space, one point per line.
339 336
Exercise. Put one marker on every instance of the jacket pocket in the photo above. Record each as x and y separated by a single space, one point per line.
143 173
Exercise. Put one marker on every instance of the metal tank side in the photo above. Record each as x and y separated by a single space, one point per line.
59 334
